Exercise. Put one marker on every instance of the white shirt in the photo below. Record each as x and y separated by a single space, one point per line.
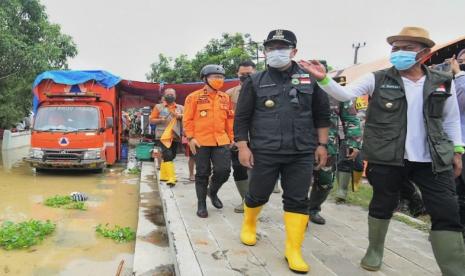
416 145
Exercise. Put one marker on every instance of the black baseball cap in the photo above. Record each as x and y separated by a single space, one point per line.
285 36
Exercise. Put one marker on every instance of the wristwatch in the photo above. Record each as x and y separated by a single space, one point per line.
323 145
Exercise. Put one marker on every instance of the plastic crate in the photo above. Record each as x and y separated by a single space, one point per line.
144 151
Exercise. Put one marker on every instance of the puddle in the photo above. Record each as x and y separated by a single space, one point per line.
74 248
158 237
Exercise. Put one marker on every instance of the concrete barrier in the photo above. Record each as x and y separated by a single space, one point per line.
12 157
12 140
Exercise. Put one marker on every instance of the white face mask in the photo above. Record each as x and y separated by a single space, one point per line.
278 58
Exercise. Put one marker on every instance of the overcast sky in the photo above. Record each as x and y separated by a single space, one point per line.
126 36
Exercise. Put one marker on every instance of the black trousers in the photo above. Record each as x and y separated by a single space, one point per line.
239 171
438 191
344 164
296 174
358 162
460 181
168 154
220 158
407 190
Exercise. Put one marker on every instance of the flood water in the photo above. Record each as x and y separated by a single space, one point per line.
74 248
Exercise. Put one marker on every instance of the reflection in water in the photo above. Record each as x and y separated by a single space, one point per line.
73 249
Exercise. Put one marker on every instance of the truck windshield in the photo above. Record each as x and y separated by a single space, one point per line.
66 118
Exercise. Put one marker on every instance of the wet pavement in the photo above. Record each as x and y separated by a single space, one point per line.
212 246
74 248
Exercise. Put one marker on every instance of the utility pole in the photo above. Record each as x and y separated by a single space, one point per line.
357 46
257 50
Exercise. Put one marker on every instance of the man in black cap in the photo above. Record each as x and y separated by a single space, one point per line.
284 115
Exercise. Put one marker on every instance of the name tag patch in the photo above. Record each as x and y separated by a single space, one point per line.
390 86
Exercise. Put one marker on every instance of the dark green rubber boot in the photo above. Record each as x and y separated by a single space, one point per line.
449 251
377 229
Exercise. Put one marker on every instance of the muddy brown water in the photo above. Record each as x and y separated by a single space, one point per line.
74 248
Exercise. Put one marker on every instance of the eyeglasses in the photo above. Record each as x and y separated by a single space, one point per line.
294 98
273 48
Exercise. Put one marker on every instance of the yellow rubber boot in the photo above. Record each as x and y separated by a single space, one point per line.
163 172
357 180
295 232
171 173
249 225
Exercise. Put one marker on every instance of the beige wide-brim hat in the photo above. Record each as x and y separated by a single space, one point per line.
416 34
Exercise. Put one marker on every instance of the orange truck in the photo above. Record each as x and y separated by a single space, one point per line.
77 121
78 116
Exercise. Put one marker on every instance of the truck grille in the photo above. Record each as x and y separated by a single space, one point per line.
63 155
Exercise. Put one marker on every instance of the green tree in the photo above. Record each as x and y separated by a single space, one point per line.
29 45
229 51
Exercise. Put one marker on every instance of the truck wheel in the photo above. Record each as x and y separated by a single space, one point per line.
101 170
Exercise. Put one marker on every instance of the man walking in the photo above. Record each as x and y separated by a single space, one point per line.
412 132
208 119
285 116
246 68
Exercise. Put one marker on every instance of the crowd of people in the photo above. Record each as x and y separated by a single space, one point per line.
294 124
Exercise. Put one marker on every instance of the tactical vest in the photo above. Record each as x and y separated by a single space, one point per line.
279 124
386 120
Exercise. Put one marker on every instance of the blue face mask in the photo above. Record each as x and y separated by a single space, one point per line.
403 60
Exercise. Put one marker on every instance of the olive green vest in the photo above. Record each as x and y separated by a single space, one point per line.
386 123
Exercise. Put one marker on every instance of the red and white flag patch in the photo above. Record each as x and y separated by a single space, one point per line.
305 80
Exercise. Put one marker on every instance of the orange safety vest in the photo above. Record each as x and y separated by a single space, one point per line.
208 117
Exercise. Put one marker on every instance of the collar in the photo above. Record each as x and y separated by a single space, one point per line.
169 105
283 74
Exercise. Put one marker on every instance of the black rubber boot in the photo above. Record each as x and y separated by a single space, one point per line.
201 191
202 209
403 206
318 195
216 202
316 218
213 194
416 205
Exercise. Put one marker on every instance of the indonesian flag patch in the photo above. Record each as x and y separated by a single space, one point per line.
441 88
305 80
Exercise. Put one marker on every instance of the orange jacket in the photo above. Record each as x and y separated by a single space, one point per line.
208 117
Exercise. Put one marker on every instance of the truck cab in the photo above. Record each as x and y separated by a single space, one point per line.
76 126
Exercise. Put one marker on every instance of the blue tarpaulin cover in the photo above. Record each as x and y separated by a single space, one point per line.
71 77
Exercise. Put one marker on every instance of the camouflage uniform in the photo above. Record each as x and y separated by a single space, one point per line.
344 133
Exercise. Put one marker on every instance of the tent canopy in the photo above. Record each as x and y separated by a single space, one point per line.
132 93
139 94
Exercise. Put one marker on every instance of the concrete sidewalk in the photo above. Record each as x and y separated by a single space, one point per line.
212 247
151 253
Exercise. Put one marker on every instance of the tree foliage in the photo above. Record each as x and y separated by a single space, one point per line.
229 51
29 45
